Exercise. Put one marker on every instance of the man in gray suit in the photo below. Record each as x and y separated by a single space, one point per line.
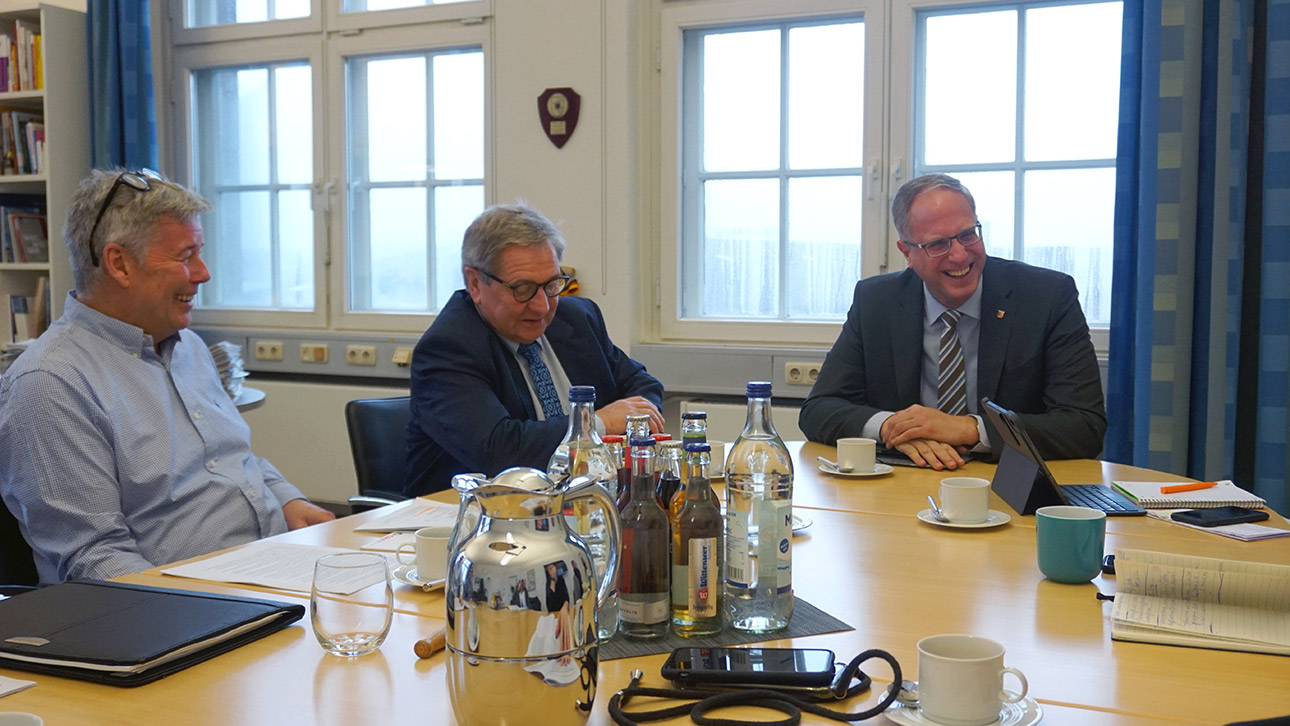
921 347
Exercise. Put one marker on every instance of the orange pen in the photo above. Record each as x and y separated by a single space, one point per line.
1187 487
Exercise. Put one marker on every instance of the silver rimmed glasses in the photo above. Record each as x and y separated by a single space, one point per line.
525 290
939 247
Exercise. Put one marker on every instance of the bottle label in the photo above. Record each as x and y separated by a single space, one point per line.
646 612
680 576
780 514
702 590
738 558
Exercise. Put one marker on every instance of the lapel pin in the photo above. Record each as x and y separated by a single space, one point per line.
1000 314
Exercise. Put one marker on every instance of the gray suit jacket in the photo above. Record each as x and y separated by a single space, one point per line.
1035 358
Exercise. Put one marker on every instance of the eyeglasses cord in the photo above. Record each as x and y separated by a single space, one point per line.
790 705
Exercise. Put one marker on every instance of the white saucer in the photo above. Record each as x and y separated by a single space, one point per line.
1025 712
407 574
800 523
993 519
878 470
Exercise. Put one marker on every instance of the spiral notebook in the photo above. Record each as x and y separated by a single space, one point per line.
1225 494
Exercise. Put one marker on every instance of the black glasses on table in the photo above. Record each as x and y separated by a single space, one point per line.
525 290
136 180
939 247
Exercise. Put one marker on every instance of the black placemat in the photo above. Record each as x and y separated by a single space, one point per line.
807 620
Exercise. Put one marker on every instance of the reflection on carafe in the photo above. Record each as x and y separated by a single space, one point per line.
521 598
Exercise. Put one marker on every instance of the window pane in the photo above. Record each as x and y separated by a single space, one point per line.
741 101
739 250
296 247
396 118
1072 108
253 158
1080 247
202 13
969 99
826 96
240 257
454 209
293 128
459 116
995 194
398 274
823 245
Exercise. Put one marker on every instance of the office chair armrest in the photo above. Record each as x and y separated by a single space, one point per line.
359 500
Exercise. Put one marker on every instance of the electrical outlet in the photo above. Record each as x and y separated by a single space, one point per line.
313 352
800 373
402 356
360 355
268 350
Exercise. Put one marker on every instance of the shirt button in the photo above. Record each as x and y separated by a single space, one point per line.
211 464
197 414
251 496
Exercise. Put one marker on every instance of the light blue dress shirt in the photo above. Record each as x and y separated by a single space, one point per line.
117 458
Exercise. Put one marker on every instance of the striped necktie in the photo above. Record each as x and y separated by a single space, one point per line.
547 394
952 376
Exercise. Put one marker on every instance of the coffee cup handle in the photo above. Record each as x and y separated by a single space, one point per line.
1007 697
398 555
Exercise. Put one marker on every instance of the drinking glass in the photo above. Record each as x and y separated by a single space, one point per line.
352 602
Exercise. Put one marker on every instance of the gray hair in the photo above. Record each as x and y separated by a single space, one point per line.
128 222
502 225
910 190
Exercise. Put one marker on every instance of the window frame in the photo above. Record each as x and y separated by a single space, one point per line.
413 38
182 35
675 18
190 59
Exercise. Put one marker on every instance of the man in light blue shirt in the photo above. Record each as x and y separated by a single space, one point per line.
121 449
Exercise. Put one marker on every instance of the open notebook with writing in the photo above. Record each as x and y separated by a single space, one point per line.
1225 494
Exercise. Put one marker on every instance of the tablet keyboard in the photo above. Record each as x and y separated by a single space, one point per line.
1096 496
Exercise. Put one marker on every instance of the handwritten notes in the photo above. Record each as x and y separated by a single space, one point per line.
1200 601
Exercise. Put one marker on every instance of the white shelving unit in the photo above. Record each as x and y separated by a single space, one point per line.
64 103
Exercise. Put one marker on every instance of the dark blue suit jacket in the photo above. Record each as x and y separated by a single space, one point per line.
1035 357
471 406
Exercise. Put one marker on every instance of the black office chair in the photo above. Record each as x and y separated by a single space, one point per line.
16 564
377 437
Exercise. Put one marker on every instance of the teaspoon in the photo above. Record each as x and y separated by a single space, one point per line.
833 465
936 511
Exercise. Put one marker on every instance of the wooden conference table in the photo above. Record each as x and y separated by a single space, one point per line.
865 558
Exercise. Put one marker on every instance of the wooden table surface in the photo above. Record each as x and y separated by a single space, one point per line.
865 558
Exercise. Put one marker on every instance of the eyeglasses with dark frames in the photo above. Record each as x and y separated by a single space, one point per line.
940 247
525 290
136 180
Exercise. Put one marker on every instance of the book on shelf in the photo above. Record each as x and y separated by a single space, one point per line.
1225 493
11 204
29 236
19 317
1201 602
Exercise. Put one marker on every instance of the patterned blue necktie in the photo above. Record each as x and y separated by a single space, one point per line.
547 394
952 379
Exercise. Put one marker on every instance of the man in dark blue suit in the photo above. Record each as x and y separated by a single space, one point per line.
491 377
1019 339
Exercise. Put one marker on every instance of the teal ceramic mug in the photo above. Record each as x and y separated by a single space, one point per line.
1070 542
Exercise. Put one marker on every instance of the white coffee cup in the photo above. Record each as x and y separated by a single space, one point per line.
429 552
856 455
717 467
960 680
965 499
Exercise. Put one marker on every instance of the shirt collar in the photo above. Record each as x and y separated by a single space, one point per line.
130 338
933 307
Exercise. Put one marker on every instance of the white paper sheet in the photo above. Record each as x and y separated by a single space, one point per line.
414 515
268 564
13 685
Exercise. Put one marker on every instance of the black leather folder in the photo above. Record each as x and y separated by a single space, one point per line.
128 635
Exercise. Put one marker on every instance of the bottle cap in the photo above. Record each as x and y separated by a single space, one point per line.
641 441
669 444
582 394
691 415
759 389
662 436
612 438
697 447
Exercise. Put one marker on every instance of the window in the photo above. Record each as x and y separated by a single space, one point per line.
416 175
774 162
1030 131
339 209
254 160
787 126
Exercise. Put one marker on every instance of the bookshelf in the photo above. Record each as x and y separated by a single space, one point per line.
63 102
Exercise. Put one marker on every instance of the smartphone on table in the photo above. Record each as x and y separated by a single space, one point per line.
1219 516
775 667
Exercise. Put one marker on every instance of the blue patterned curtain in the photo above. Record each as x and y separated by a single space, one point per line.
123 124
1200 314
